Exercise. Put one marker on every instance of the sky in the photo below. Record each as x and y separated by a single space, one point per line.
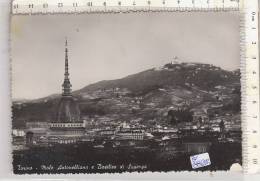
112 46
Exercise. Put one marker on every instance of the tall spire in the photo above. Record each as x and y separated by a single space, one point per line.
66 86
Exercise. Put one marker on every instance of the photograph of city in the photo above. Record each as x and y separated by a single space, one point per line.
133 92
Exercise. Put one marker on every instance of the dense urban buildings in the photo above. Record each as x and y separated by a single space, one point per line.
163 122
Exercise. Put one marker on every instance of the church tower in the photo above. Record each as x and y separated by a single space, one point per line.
68 109
66 91
67 127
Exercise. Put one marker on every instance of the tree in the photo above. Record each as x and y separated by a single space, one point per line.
179 115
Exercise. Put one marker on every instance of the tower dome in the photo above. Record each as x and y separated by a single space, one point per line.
68 109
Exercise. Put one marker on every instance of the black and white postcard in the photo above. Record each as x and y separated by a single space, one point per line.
126 92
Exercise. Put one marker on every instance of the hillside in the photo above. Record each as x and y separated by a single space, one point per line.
204 76
146 95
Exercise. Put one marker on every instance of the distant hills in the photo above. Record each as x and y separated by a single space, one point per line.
204 76
136 96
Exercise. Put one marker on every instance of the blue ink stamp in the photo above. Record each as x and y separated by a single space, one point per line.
200 160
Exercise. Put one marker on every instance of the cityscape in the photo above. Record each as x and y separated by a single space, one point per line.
149 121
